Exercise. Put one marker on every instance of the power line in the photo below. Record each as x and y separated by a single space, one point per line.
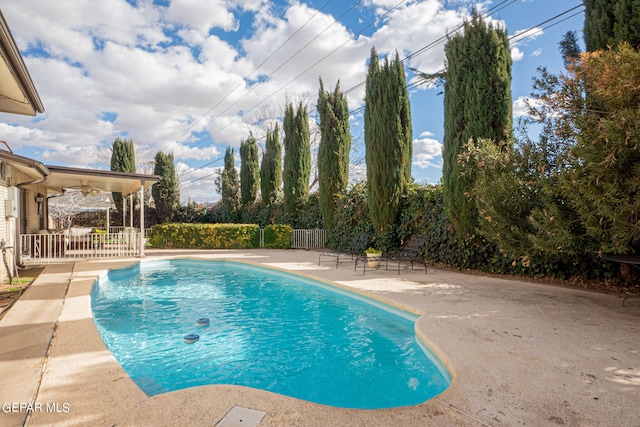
257 68
522 35
496 8
299 75
211 135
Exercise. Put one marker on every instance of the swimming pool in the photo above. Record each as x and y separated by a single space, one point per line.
268 329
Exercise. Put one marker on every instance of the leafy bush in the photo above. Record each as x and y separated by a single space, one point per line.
205 236
351 216
277 236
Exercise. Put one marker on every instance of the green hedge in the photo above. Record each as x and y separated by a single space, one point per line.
277 236
205 236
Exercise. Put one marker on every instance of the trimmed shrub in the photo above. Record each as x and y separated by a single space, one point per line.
205 236
277 236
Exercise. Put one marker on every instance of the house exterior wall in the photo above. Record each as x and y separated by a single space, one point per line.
32 224
6 225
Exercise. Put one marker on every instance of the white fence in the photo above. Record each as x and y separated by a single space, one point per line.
46 247
308 239
123 243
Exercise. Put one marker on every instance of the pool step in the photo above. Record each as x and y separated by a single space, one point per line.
241 417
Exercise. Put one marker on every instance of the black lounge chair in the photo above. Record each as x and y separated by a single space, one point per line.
359 244
411 253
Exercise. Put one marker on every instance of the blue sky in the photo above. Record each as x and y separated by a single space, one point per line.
195 76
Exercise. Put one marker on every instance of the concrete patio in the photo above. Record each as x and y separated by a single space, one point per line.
520 353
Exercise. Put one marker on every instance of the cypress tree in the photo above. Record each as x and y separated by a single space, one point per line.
387 133
609 22
123 159
477 105
333 152
297 158
229 186
569 47
249 170
165 192
271 168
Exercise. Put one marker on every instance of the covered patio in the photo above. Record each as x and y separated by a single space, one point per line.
36 184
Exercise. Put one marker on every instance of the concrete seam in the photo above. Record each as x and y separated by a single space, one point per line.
46 356
125 416
453 408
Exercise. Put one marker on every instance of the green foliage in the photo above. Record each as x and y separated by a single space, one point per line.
609 22
423 213
165 192
477 104
249 170
351 216
603 180
205 236
388 141
333 152
229 186
569 47
122 160
277 236
271 168
297 158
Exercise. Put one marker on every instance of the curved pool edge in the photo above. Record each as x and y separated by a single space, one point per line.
208 402
432 351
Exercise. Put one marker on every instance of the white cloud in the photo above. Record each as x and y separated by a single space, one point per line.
201 15
193 94
197 184
400 33
520 108
425 150
516 54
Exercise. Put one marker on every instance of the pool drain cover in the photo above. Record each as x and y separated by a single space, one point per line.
239 416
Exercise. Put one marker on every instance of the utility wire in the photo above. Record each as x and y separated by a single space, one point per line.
256 68
517 37
210 137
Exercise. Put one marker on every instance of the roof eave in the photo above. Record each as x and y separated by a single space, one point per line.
18 67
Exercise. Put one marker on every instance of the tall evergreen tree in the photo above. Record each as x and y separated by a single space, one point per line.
609 22
477 105
249 170
569 47
123 159
388 140
165 192
297 158
229 186
271 168
333 152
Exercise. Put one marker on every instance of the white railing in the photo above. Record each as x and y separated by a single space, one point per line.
45 247
308 239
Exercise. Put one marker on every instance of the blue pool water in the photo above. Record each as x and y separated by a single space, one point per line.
268 330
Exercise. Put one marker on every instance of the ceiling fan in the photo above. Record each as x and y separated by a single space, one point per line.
85 188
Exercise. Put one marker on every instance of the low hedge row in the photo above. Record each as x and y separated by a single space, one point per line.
205 236
277 236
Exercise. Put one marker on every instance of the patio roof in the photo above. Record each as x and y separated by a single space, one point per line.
18 94
95 180
58 178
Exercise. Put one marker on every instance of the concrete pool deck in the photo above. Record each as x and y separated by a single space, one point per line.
521 353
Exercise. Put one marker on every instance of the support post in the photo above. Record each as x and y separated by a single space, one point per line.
141 219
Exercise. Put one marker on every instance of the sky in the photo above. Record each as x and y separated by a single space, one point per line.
192 77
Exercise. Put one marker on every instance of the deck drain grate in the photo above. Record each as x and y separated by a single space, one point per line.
239 416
